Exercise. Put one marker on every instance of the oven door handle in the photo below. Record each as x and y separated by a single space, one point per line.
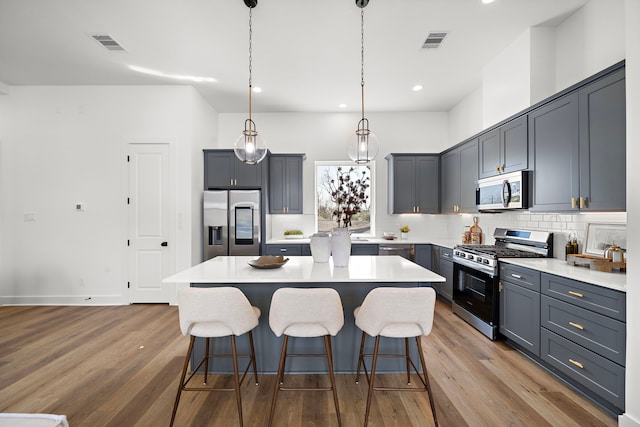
506 193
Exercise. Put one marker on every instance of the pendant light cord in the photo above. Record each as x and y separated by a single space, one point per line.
250 62
362 58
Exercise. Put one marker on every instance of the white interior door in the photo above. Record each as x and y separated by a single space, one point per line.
149 247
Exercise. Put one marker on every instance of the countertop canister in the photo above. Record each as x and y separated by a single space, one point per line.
320 244
340 246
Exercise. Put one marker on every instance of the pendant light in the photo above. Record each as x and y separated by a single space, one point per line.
250 147
363 145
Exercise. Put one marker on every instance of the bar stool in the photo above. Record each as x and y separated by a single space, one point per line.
213 313
308 312
396 313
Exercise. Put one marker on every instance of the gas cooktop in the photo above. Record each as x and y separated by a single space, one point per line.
509 244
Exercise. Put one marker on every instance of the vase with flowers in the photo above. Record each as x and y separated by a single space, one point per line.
348 192
404 231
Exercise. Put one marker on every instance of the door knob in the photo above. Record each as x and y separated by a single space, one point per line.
164 244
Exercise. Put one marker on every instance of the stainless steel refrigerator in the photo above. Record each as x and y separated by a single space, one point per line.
231 223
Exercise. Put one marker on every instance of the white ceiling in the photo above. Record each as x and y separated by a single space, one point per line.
306 54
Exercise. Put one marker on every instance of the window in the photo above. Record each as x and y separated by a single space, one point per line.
344 196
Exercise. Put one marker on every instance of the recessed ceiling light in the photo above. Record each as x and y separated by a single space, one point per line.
416 88
487 1
195 79
342 106
257 89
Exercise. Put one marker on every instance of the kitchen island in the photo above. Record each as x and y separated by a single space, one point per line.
363 274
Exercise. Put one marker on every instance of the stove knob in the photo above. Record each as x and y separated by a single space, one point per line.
486 261
470 257
480 260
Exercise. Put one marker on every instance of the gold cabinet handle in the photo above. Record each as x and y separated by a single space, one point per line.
577 325
583 202
573 203
576 294
497 168
517 276
576 363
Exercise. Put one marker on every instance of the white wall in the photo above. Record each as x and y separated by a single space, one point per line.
506 80
590 40
632 416
324 137
465 119
62 145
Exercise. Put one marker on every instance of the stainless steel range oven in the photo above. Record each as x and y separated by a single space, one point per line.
475 274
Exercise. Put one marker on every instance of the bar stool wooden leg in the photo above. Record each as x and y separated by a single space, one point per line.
182 376
206 360
426 380
236 377
406 354
279 377
372 379
360 358
253 357
329 350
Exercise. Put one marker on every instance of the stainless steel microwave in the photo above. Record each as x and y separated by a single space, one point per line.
503 192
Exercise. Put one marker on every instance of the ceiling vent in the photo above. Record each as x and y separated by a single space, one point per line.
107 42
434 40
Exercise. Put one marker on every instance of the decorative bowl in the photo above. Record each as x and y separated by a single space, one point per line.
268 261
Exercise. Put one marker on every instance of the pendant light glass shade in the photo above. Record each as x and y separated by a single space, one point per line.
362 146
250 147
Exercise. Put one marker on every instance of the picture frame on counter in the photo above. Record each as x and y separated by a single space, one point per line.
601 235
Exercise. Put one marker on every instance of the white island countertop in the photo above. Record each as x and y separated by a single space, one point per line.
302 269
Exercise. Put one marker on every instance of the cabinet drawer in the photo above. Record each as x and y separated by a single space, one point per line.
595 298
597 374
598 333
292 250
524 277
446 253
364 249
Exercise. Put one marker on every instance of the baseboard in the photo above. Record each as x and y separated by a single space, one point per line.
64 300
625 420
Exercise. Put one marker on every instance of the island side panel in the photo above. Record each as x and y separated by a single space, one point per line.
346 343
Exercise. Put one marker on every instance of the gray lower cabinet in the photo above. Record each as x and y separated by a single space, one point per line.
223 170
364 249
503 149
285 183
577 149
442 263
413 183
520 306
459 173
422 256
583 335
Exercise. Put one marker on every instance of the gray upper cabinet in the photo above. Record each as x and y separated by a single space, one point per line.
603 144
504 149
459 176
554 145
285 183
578 149
413 185
222 169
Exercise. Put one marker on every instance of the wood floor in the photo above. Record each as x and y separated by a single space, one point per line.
119 366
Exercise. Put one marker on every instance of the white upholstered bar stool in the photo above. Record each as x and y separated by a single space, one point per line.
305 312
396 313
213 313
